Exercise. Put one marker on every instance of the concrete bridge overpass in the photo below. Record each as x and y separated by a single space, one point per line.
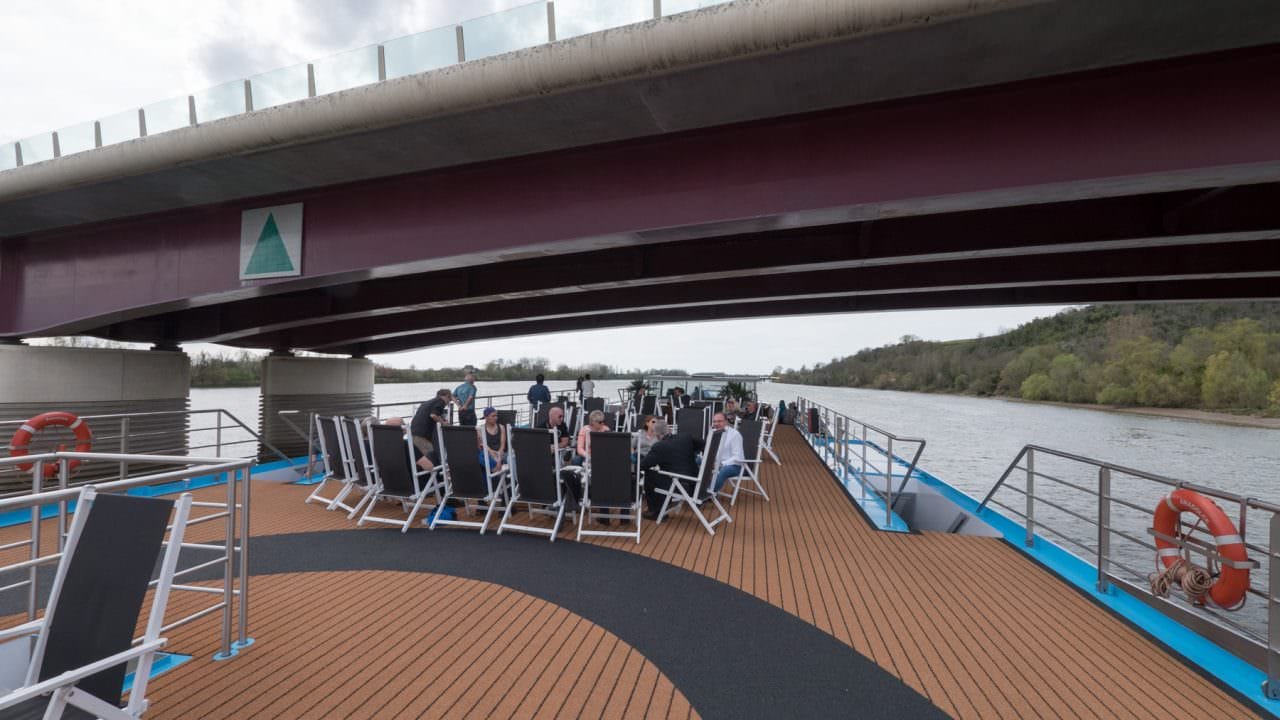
755 158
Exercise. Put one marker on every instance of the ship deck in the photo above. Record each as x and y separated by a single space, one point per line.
797 608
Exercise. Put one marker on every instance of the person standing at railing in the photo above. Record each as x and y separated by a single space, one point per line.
538 393
587 388
465 397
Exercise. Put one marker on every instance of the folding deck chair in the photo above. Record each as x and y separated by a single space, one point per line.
352 458
694 422
396 475
535 479
592 403
466 477
334 467
752 431
85 639
696 491
766 438
610 484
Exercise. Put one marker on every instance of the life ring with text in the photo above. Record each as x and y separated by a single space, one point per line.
1228 591
21 443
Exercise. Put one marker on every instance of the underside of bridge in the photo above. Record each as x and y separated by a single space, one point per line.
1148 182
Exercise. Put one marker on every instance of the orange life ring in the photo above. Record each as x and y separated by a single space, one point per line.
1229 589
21 443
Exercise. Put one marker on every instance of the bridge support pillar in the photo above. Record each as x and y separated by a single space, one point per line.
95 382
330 386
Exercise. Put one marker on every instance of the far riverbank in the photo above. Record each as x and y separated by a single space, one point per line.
1204 416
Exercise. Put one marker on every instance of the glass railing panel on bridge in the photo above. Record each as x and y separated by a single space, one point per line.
119 128
76 138
421 52
277 87
219 101
502 32
344 71
579 17
672 7
167 115
37 148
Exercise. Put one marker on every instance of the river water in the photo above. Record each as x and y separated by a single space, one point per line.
972 440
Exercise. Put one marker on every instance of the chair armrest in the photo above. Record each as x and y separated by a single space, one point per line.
23 630
676 475
71 677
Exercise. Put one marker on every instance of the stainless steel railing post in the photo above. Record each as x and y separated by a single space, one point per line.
1272 686
217 436
864 462
229 570
33 576
888 482
311 444
64 476
1104 527
244 476
1031 499
124 446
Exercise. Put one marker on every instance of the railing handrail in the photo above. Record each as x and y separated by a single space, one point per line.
169 413
1162 479
201 466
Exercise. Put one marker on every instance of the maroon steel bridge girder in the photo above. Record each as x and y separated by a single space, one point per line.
1075 135
1081 269
1029 243
1122 292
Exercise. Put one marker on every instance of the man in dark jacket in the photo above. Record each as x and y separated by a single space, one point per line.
672 453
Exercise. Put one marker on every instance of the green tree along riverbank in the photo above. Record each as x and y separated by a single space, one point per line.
1212 356
245 370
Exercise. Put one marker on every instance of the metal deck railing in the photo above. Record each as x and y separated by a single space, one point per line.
875 453
233 512
1118 504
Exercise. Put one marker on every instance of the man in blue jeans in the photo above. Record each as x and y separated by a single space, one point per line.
729 458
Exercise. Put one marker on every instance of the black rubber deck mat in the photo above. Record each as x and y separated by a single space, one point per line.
730 653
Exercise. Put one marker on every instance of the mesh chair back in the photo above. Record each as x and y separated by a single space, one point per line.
593 403
359 448
751 431
699 404
534 464
540 417
611 420
507 417
649 405
393 459
462 462
613 484
101 596
708 474
331 446
692 421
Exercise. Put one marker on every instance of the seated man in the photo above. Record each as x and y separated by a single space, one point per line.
555 421
673 453
731 411
729 458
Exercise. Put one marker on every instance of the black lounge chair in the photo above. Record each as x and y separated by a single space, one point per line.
696 491
396 475
752 450
356 458
466 477
540 415
610 484
507 417
535 479
85 639
693 422
592 403
334 467
649 405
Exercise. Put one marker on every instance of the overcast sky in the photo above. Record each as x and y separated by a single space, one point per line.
63 62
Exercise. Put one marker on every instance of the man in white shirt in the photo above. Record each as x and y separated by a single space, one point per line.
729 457
588 387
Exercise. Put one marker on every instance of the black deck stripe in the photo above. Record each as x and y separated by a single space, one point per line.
730 653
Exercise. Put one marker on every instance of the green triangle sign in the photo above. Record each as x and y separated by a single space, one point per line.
269 254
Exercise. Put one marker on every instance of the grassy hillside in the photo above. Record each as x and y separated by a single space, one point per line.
1218 356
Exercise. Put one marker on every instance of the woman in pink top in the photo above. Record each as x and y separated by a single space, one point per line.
595 423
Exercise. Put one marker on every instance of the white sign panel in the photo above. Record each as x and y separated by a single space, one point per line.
271 242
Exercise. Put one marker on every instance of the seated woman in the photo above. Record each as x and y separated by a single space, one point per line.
595 423
492 441
645 437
